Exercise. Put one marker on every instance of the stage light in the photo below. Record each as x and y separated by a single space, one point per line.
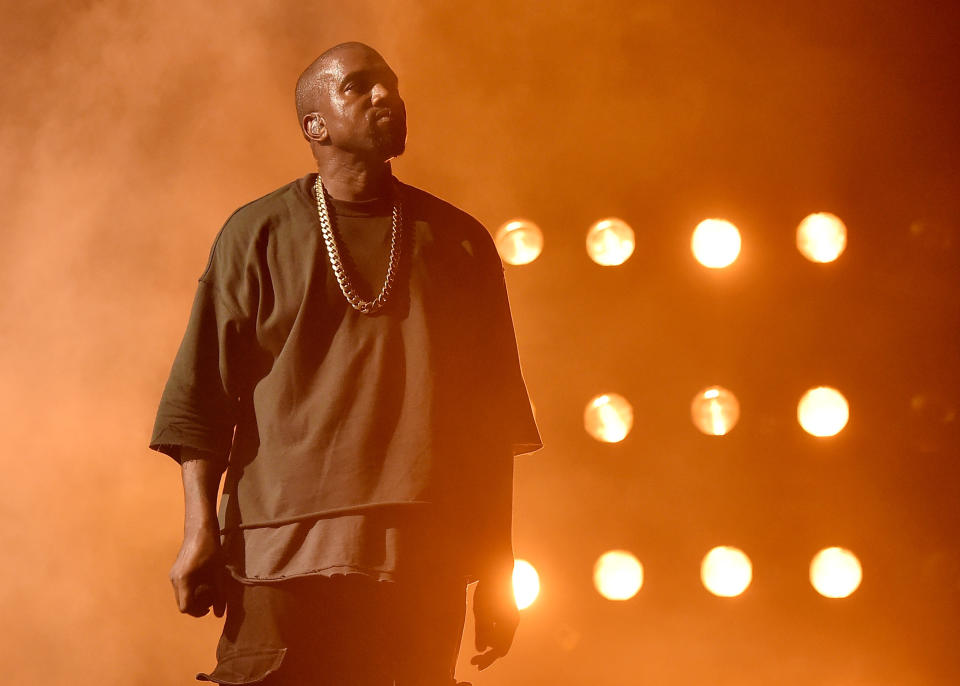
835 572
519 241
617 575
608 418
726 571
526 584
823 411
715 411
610 242
716 243
821 237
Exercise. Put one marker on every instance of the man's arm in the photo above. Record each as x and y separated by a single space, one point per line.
495 611
197 573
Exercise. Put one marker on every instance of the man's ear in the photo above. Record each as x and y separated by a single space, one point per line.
314 128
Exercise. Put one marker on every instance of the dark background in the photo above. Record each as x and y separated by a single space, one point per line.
129 132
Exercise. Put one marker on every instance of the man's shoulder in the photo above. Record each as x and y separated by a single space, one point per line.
254 222
452 229
275 205
433 209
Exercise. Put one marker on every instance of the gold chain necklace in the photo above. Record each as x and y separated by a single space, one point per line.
333 252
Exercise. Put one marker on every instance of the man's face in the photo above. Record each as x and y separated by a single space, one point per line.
361 105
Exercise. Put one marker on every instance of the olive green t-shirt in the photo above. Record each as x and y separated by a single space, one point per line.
319 410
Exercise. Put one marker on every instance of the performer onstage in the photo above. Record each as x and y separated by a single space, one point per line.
350 362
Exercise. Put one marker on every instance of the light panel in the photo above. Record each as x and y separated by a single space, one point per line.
716 243
608 417
519 242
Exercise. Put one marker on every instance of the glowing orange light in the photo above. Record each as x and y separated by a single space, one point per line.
823 411
526 584
715 411
835 572
726 571
821 237
608 418
716 243
610 242
519 241
617 575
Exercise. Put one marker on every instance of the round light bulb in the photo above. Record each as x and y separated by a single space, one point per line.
610 242
821 237
526 584
835 572
617 575
823 411
519 241
608 418
715 411
726 571
716 243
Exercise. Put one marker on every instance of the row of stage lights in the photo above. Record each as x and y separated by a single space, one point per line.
821 412
725 572
821 237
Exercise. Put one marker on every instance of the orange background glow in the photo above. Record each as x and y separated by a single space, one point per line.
130 131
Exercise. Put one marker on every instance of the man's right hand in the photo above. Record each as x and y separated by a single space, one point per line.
197 574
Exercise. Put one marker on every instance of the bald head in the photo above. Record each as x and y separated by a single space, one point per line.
349 106
316 78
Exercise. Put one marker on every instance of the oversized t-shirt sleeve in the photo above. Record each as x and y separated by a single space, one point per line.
198 408
200 402
508 389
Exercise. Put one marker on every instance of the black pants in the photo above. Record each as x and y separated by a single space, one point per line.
346 630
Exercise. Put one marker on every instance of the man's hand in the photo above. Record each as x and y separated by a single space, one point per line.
197 574
495 619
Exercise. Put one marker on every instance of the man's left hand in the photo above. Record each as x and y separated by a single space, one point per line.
495 620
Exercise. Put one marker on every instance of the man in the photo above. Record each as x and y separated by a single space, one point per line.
350 362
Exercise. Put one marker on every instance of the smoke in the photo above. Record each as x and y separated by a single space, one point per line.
129 132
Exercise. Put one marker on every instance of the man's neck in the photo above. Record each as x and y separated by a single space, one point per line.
354 179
